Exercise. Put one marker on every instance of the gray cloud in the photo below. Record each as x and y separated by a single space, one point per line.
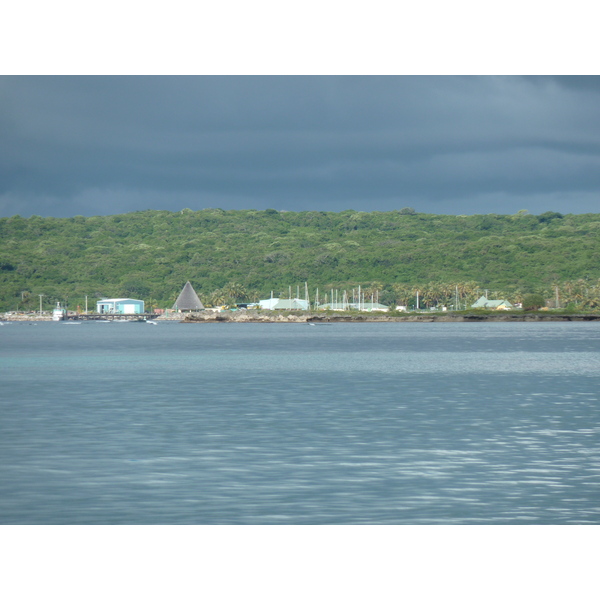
456 145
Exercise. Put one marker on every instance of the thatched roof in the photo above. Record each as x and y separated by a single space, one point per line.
188 299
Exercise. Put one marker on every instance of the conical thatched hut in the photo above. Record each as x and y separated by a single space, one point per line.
188 299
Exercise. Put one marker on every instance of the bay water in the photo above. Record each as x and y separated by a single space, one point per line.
349 423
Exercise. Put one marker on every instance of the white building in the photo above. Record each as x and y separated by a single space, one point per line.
363 306
339 306
284 304
371 307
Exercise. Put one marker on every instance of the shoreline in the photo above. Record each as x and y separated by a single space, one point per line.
246 317
256 317
16 318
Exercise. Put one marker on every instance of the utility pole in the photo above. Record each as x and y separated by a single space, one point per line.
40 295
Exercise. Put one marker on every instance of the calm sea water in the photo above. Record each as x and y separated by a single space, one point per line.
395 423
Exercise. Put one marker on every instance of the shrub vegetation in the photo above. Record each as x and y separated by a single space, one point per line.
246 254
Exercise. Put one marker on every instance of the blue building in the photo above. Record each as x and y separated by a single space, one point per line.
120 306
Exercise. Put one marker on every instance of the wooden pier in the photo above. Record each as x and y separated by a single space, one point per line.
112 317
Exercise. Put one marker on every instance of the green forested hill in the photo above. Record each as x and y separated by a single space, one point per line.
151 254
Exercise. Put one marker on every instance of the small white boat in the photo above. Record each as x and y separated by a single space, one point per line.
59 314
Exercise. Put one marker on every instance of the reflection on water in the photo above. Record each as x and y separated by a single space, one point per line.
265 424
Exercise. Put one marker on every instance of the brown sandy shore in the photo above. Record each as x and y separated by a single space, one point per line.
255 317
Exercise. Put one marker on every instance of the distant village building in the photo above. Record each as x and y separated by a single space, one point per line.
300 304
362 306
339 306
188 300
120 306
371 307
284 304
483 302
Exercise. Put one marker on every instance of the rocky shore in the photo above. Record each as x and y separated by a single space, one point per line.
250 316
260 317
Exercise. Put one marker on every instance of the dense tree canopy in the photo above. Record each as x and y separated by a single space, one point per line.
246 254
533 302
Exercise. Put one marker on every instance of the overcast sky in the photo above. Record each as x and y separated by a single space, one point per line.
97 145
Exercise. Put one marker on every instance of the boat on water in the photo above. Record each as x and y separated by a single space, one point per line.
59 313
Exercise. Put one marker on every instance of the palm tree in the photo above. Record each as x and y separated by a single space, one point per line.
253 296
235 292
403 294
448 293
218 298
427 295
436 292
518 296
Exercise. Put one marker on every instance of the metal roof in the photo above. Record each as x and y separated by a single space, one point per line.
118 300
483 302
284 304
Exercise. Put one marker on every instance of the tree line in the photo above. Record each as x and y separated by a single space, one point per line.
236 256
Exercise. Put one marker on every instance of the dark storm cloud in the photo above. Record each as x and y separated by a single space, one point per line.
102 145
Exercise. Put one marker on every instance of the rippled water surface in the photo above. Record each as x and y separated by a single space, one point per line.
393 423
